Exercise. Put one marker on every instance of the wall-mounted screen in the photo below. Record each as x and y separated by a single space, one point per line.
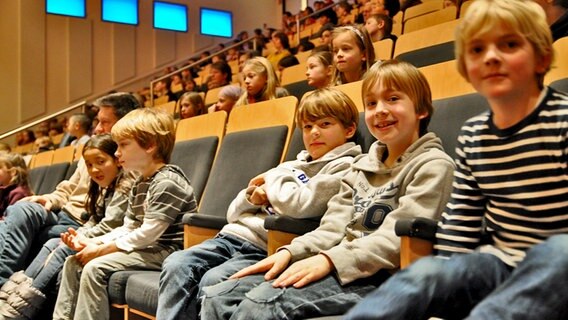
120 11
71 8
218 23
170 16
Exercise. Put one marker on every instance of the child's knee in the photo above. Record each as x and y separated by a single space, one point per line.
220 289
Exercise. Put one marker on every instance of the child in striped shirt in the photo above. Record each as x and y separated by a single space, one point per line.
502 245
152 226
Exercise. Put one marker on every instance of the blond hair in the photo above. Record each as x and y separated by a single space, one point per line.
148 127
263 67
364 43
525 17
402 76
17 164
328 102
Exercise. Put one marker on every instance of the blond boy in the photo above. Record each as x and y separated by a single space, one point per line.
502 248
152 225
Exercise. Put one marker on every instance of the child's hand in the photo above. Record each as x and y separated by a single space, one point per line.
257 181
93 250
74 240
46 203
274 264
89 252
304 272
258 197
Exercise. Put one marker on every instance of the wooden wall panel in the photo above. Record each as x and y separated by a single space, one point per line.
80 48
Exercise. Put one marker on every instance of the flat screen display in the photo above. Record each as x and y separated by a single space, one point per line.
170 16
70 8
120 11
218 23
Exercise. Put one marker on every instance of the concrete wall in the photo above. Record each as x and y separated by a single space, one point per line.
50 62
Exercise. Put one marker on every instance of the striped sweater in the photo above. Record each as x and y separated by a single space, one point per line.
510 185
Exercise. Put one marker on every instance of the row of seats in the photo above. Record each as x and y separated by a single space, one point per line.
451 110
220 156
48 168
137 292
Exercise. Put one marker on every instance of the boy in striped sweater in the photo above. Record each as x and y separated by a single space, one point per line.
152 226
509 187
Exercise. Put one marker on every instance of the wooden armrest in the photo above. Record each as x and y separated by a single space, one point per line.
412 248
276 239
193 235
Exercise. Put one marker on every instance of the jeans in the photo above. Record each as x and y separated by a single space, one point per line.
476 286
48 263
254 298
24 222
185 273
83 292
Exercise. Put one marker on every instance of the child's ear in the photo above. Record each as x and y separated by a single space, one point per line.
543 64
423 115
350 131
329 72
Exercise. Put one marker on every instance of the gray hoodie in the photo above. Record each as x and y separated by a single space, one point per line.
299 188
357 231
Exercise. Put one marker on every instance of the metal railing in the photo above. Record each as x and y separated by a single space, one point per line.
196 63
81 104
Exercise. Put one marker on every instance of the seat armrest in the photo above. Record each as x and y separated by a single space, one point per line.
416 236
290 225
422 228
199 227
283 229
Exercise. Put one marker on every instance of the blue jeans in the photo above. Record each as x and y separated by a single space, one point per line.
476 286
48 263
185 272
254 298
24 222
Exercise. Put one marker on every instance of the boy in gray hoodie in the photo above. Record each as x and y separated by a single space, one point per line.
300 188
406 174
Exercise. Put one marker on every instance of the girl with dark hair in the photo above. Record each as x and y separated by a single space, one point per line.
24 293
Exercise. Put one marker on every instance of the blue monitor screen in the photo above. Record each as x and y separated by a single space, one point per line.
170 16
120 11
72 8
216 23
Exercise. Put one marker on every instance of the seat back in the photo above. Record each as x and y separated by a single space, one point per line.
212 96
275 112
383 49
53 174
298 89
559 69
205 125
438 34
294 74
430 19
445 80
353 90
195 157
422 9
41 159
451 113
169 107
560 85
256 140
197 142
65 154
